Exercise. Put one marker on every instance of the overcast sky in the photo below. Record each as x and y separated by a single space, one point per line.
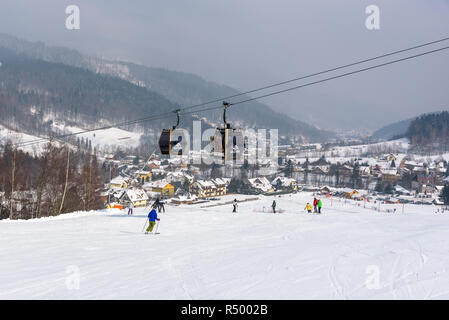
250 43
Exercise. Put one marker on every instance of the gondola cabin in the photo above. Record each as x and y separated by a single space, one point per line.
166 142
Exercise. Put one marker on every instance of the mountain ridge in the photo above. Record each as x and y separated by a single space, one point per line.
178 87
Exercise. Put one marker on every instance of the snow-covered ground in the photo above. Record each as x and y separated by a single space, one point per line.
106 137
19 138
347 252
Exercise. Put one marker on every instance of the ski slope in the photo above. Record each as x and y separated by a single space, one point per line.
347 252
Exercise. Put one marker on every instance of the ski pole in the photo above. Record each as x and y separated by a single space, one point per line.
146 220
157 227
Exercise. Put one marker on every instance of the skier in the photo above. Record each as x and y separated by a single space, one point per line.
130 208
308 207
161 205
157 204
273 205
315 203
153 217
234 203
320 204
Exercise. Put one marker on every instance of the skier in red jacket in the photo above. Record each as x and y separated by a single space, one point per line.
315 204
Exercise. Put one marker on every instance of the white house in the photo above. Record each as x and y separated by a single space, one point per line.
262 184
137 196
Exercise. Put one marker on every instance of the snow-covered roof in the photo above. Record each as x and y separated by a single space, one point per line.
177 175
401 189
285 182
203 184
142 172
156 184
137 194
261 183
118 180
219 182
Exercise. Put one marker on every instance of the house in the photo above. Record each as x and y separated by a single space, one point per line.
119 182
207 189
221 184
284 182
365 171
325 190
389 175
179 176
115 195
261 184
162 187
143 176
137 196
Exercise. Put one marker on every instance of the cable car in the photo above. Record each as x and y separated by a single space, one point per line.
221 144
165 141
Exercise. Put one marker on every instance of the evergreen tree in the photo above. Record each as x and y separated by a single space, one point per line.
289 169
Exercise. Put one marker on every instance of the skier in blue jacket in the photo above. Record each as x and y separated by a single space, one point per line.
153 218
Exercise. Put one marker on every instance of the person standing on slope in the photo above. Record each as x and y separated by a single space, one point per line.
308 208
157 204
320 204
130 208
234 203
152 216
273 205
315 204
161 205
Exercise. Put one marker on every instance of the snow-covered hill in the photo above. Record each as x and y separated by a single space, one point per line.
347 252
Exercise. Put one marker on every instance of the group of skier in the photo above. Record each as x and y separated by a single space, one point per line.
317 204
152 215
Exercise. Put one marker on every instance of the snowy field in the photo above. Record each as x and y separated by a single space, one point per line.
347 252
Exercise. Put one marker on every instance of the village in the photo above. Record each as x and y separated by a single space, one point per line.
371 177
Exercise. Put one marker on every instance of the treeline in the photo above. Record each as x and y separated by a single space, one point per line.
430 133
59 180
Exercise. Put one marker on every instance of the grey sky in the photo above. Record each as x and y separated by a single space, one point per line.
246 44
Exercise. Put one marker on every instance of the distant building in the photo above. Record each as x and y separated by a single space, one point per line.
137 197
119 182
143 176
161 187
261 184
208 188
284 182
389 176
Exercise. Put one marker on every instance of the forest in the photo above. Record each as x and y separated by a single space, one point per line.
429 133
35 93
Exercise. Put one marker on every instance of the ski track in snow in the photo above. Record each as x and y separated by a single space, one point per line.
211 253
